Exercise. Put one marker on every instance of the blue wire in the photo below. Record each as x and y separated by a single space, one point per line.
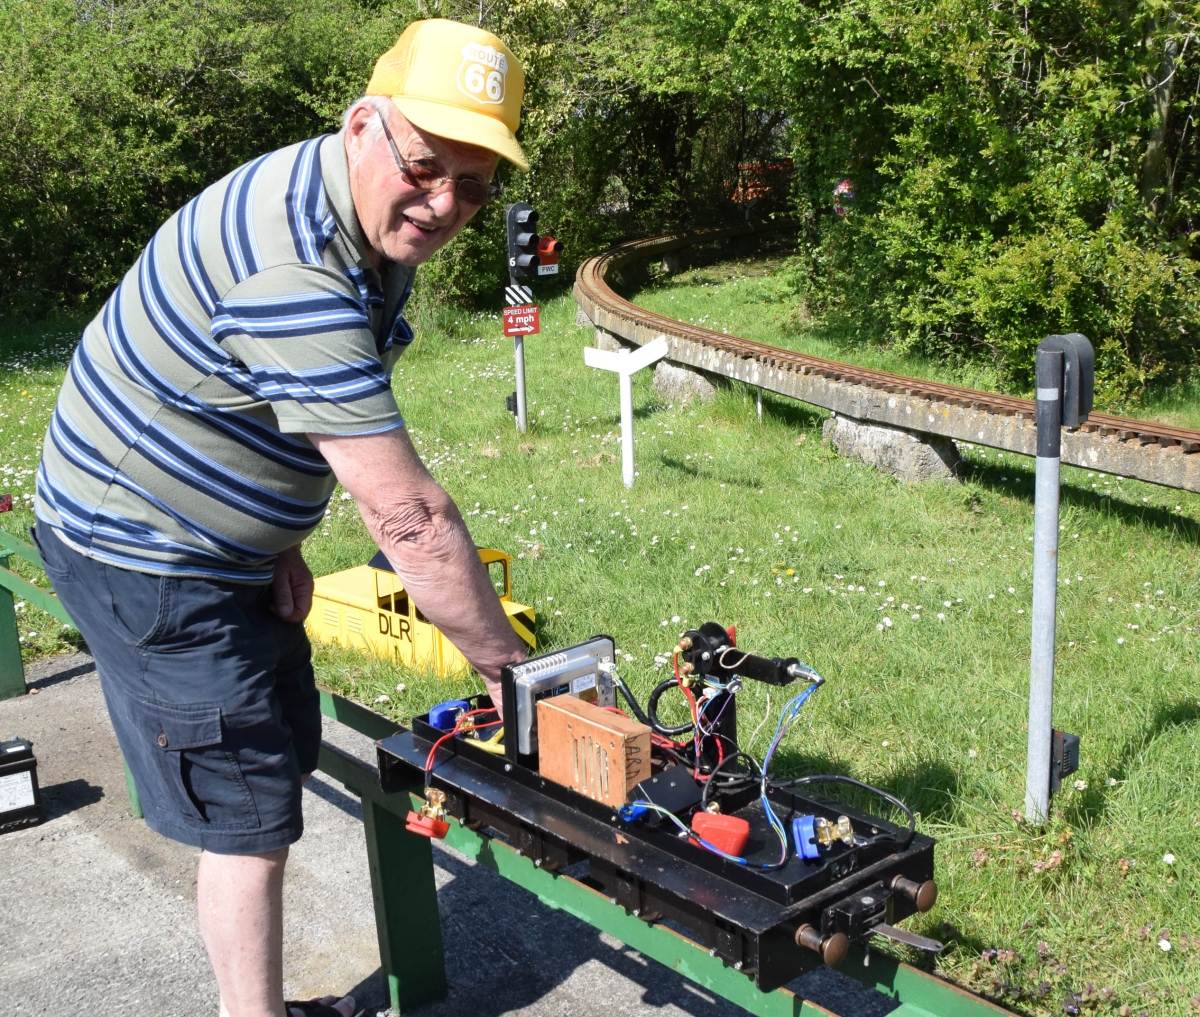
786 716
625 810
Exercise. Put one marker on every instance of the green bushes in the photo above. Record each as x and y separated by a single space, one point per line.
113 114
1018 169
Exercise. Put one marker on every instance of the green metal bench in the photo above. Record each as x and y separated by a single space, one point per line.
405 894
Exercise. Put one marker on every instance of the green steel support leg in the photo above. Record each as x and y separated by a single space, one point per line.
12 672
135 802
406 908
676 952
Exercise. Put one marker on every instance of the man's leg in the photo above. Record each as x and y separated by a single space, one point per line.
240 900
188 670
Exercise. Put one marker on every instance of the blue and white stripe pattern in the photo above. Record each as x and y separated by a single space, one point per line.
252 319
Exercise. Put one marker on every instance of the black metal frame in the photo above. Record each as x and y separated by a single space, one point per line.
748 918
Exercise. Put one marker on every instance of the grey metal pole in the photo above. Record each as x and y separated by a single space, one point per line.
1049 374
519 354
519 362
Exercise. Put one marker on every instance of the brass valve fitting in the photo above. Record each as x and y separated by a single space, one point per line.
826 832
435 804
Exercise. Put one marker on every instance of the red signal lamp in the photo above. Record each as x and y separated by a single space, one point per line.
548 251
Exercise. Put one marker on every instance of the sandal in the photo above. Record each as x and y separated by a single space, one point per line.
311 1006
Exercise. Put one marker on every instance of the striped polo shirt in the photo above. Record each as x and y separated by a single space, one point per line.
252 319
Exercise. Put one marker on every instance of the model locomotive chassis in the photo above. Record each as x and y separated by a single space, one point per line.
745 919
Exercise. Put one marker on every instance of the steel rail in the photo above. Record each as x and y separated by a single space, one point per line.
1146 450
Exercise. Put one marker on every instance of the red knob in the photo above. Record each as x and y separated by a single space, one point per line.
425 826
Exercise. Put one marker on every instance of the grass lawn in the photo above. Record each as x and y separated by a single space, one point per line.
750 297
913 601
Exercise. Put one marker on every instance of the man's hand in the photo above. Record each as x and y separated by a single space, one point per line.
292 586
493 690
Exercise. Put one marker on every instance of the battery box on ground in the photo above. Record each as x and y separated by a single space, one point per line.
20 796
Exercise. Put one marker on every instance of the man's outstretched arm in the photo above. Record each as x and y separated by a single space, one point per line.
422 533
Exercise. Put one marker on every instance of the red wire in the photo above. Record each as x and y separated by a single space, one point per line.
458 729
695 722
432 752
696 725
720 747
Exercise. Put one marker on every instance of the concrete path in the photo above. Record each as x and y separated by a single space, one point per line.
99 913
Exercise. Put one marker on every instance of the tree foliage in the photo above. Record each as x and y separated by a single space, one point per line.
1019 168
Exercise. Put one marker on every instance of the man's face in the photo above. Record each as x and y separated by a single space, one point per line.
402 222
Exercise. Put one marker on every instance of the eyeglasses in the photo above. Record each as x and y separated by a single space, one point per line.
427 176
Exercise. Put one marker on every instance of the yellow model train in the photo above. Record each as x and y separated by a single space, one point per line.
367 608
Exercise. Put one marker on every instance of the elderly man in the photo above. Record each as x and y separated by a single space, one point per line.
239 371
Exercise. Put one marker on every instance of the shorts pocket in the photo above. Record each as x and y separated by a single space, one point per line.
54 563
140 602
202 774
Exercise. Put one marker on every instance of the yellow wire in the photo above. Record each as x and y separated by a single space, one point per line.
493 744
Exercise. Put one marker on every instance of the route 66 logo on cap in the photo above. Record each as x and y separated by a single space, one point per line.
481 73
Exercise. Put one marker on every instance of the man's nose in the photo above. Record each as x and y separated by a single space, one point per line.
443 203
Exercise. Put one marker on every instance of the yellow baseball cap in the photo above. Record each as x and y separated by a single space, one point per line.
457 82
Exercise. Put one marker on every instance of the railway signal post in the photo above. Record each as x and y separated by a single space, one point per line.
1064 377
528 255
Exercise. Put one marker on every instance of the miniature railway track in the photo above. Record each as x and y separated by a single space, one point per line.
1146 450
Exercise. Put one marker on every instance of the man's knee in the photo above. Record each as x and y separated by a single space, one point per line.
263 861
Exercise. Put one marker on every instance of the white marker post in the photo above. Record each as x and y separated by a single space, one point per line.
626 364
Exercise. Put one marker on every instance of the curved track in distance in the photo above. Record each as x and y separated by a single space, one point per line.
1147 450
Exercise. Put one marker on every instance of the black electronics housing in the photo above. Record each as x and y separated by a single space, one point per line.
761 921
1064 757
673 789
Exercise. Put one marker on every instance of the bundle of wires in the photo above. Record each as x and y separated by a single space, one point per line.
785 720
634 809
702 728
698 731
661 736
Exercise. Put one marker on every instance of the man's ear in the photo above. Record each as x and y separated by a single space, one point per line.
357 128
